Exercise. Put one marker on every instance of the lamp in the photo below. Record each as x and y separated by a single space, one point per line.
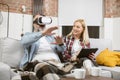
23 11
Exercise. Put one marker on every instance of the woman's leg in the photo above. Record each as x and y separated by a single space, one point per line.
87 64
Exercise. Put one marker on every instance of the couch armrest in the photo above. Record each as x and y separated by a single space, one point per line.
4 71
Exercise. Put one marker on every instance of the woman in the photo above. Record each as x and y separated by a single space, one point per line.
77 39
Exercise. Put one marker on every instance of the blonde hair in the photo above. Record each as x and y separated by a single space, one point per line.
84 37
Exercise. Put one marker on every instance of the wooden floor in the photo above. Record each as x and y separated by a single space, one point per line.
89 78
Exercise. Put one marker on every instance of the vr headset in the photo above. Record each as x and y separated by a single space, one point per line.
43 20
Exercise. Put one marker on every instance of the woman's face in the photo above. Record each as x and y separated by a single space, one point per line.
77 29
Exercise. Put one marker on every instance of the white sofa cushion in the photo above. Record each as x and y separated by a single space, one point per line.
11 51
114 70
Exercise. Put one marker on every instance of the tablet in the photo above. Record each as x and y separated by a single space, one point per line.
86 51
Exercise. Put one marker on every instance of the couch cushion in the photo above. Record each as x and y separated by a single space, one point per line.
115 71
11 51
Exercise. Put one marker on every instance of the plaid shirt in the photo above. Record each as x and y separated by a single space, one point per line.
69 43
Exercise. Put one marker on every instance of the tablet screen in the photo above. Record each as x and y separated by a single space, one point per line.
86 51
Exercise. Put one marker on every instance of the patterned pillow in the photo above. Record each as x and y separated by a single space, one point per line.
108 58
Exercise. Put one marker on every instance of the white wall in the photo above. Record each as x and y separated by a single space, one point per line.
3 26
112 31
54 23
90 10
16 23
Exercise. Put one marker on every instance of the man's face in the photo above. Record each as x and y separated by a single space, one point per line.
38 27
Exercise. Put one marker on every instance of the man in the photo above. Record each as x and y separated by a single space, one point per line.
38 47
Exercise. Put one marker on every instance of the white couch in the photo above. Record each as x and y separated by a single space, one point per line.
11 52
102 44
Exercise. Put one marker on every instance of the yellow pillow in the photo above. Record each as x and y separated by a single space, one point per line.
108 58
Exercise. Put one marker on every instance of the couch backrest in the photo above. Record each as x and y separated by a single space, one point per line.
11 51
101 44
